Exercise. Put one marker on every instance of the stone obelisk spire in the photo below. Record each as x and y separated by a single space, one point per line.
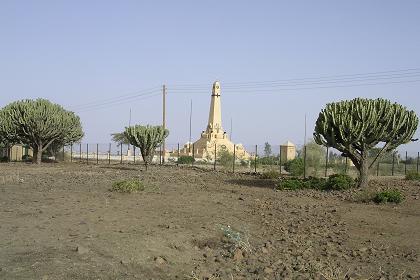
214 126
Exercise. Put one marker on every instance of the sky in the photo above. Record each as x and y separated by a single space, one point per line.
102 58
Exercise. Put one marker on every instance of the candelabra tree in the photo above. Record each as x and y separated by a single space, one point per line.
39 123
357 126
147 139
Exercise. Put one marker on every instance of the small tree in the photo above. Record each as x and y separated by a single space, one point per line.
315 155
39 123
267 149
225 158
355 127
120 138
147 139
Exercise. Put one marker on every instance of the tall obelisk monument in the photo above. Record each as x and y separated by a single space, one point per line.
214 126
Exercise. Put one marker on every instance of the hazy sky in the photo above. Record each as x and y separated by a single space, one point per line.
85 54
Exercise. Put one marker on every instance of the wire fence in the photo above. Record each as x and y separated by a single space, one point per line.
309 160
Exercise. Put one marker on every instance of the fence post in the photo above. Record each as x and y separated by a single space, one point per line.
134 153
97 153
377 169
345 167
121 152
280 160
255 159
193 154
393 163
326 163
71 152
87 153
177 161
418 159
160 154
215 156
405 163
304 162
234 158
63 153
109 154
80 151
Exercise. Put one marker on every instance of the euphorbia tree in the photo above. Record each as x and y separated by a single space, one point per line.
39 123
357 126
147 139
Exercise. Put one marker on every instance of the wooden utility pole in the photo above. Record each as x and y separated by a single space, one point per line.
189 141
163 119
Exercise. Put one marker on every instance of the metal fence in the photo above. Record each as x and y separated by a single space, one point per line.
320 162
314 160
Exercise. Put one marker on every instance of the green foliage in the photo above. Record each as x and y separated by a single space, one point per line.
27 158
394 196
340 182
357 126
147 139
127 186
294 167
412 176
267 149
315 183
334 182
272 174
120 138
185 160
4 159
290 184
315 156
270 160
39 124
225 158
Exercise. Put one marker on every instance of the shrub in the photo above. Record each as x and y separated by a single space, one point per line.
315 183
225 158
127 186
412 176
185 160
294 167
290 184
27 158
272 174
334 182
4 159
340 182
394 196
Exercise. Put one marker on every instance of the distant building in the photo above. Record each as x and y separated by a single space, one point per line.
16 152
288 151
214 138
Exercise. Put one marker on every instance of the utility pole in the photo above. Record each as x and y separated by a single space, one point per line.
129 124
163 119
231 128
304 152
189 141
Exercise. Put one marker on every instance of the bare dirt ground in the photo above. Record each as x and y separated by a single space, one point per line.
60 221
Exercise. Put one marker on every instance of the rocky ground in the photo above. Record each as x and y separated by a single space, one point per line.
60 221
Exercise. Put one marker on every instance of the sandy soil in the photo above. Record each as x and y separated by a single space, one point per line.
60 221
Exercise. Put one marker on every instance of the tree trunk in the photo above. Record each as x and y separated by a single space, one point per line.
37 158
364 174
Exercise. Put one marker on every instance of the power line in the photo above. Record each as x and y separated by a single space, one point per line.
276 90
328 77
103 106
111 100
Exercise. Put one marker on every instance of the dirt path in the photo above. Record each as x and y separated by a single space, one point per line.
61 222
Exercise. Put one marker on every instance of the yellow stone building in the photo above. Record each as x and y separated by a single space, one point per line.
16 152
214 138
